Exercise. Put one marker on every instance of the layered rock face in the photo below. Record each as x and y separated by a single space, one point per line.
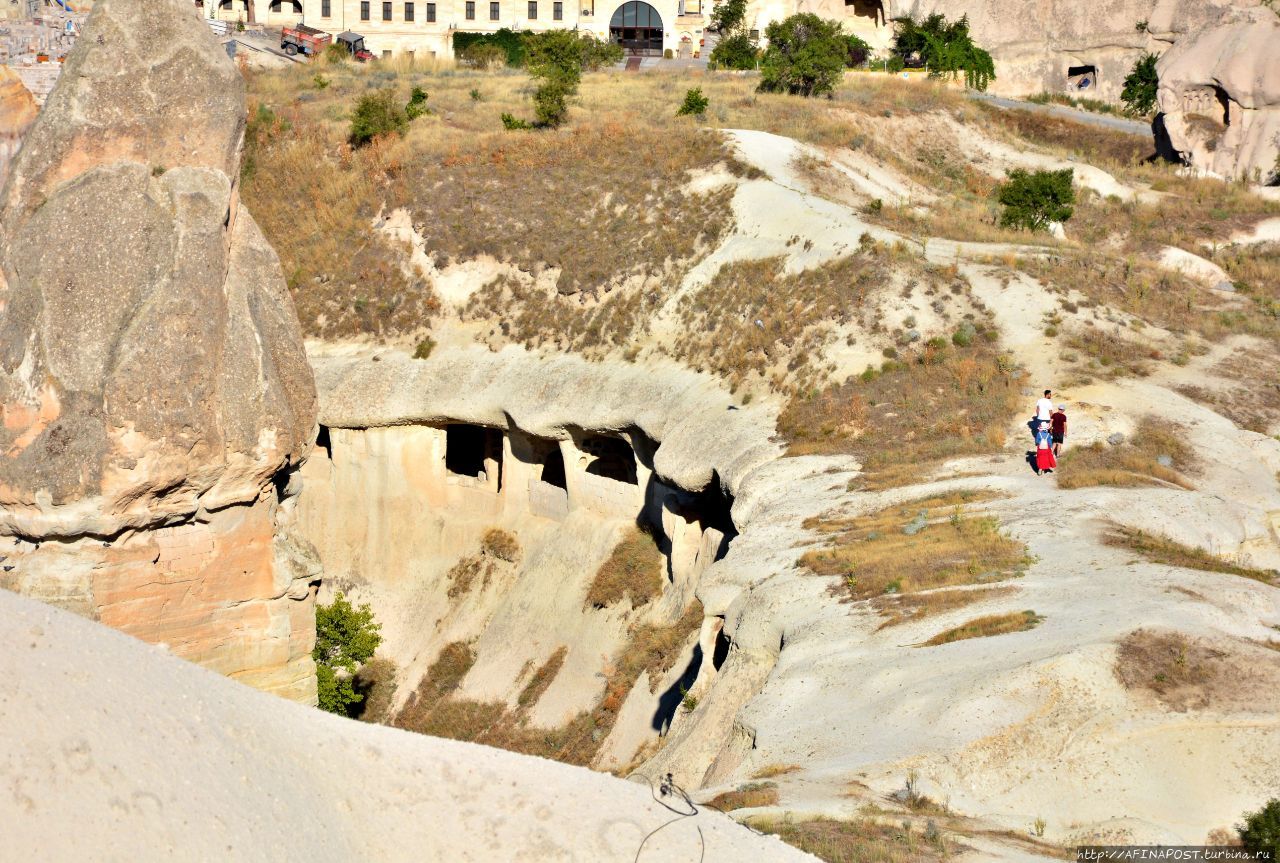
17 113
153 385
1220 97
1036 43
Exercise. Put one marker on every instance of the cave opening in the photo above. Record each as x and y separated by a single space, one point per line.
611 458
323 442
473 451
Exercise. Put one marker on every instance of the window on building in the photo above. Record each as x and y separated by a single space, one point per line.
471 10
557 11
364 10
533 10
386 55
386 10
408 11
431 13
493 12
326 10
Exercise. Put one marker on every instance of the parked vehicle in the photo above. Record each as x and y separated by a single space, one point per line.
304 40
354 43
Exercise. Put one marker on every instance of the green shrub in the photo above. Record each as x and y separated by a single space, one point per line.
320 81
556 58
946 48
667 54
1139 93
476 95
859 52
694 105
1032 200
806 56
483 55
597 54
424 348
736 51
346 637
1261 829
512 123
511 43
378 113
335 53
895 64
417 105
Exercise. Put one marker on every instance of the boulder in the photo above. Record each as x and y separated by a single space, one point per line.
1219 97
153 385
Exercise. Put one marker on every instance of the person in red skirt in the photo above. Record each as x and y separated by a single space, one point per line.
1045 460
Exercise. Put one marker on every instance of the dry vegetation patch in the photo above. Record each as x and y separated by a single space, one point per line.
1187 673
435 708
748 796
634 571
1159 549
376 682
923 544
911 607
1156 453
864 840
987 626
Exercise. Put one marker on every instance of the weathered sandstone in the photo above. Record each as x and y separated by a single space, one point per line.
152 380
1220 97
17 113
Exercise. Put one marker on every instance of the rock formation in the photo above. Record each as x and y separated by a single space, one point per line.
1220 97
17 112
153 385
1036 42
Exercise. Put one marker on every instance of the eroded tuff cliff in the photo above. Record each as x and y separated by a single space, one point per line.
153 384
17 113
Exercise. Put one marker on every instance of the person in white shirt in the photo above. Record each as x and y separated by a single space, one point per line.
1044 407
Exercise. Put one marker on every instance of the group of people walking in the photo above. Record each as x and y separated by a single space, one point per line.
1049 427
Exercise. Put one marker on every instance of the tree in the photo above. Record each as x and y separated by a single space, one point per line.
728 16
806 56
945 48
377 114
1033 200
1139 93
859 51
1261 829
346 637
735 49
417 105
557 59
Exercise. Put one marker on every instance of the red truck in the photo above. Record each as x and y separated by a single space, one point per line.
304 40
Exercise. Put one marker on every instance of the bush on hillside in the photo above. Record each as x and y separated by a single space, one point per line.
1139 93
376 114
557 59
483 55
806 56
597 53
1261 830
346 637
945 48
1033 200
695 104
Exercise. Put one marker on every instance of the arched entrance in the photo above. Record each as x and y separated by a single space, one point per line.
637 27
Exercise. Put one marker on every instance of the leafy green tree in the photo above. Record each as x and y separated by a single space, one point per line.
695 104
806 56
1261 829
1139 93
346 637
377 114
859 52
1032 200
736 51
557 59
728 17
945 48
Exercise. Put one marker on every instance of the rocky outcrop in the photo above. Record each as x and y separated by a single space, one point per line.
1220 97
153 385
17 113
1035 43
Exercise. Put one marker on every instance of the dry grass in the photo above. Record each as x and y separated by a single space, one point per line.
769 771
864 840
435 708
1247 391
915 546
634 571
940 402
1159 549
1091 143
376 681
500 544
1182 673
1132 463
912 607
748 796
987 626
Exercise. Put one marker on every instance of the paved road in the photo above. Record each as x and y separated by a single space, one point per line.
1119 124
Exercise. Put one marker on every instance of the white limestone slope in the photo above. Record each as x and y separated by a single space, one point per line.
113 750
